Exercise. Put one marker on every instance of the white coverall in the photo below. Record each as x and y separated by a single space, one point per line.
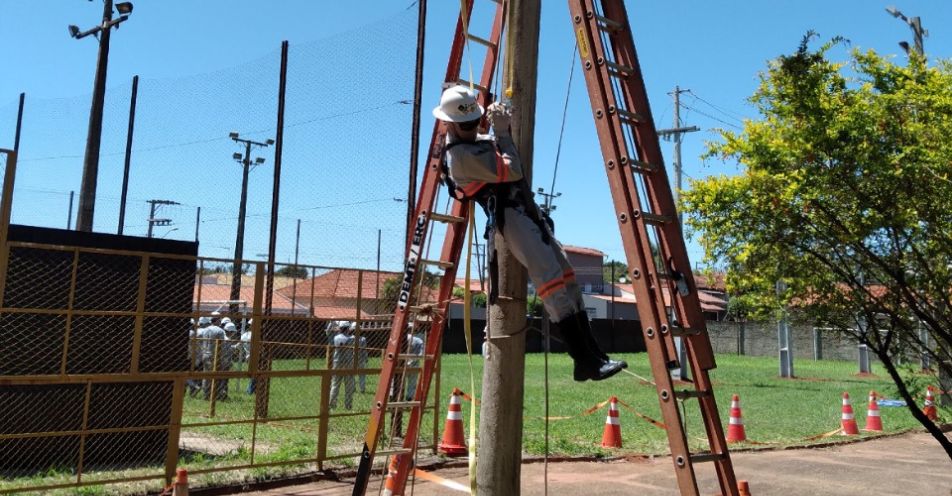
343 359
474 165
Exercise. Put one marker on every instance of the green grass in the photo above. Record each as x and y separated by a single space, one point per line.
778 412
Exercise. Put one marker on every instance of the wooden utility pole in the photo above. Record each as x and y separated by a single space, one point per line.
677 132
500 426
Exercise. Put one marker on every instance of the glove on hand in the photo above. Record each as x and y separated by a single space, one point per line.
499 117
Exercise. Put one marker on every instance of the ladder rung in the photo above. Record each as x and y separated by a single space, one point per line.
447 218
439 263
630 117
620 69
684 331
394 451
405 356
394 405
691 393
609 24
641 166
656 219
463 82
707 457
481 41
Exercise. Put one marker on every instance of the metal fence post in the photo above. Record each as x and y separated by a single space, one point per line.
175 429
783 338
817 344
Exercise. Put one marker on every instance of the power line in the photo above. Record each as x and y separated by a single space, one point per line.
223 138
709 116
733 115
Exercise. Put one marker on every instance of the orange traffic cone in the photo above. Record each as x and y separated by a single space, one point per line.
735 426
873 421
454 444
929 407
743 488
390 482
611 435
180 487
848 422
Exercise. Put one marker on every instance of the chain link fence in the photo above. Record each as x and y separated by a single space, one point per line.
123 359
123 365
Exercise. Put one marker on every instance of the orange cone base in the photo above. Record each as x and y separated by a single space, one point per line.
611 436
850 428
874 423
743 488
931 413
736 433
453 450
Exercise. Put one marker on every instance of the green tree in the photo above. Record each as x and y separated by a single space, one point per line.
846 197
479 299
295 271
621 269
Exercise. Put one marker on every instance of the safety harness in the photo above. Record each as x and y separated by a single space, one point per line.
494 198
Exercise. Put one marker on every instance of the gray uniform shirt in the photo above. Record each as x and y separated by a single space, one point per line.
208 336
343 351
472 165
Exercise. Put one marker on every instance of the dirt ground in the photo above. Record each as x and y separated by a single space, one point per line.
912 464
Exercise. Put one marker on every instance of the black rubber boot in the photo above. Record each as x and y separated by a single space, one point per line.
590 362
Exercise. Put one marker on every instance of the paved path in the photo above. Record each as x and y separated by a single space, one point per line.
913 464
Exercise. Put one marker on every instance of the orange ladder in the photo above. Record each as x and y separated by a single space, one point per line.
394 368
651 235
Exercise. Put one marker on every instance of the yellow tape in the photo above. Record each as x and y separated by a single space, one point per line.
643 416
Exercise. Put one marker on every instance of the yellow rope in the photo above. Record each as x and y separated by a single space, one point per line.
507 55
469 55
468 331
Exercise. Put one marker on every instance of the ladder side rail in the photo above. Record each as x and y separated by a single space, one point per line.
427 198
618 167
700 352
452 248
453 67
634 236
657 185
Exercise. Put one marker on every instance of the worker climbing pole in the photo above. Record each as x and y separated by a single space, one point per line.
487 170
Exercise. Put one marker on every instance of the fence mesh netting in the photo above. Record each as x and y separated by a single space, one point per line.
123 360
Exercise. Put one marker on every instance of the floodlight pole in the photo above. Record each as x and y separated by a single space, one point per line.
915 24
242 210
87 191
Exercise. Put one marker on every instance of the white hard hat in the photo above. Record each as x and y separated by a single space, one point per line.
230 327
225 320
458 104
216 313
204 321
344 324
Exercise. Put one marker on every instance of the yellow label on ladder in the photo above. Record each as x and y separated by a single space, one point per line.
582 44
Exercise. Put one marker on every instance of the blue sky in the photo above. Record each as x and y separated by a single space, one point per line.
715 49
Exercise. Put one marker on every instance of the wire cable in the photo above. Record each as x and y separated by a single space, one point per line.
565 109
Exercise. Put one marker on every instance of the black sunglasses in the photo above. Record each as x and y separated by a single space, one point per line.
468 125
